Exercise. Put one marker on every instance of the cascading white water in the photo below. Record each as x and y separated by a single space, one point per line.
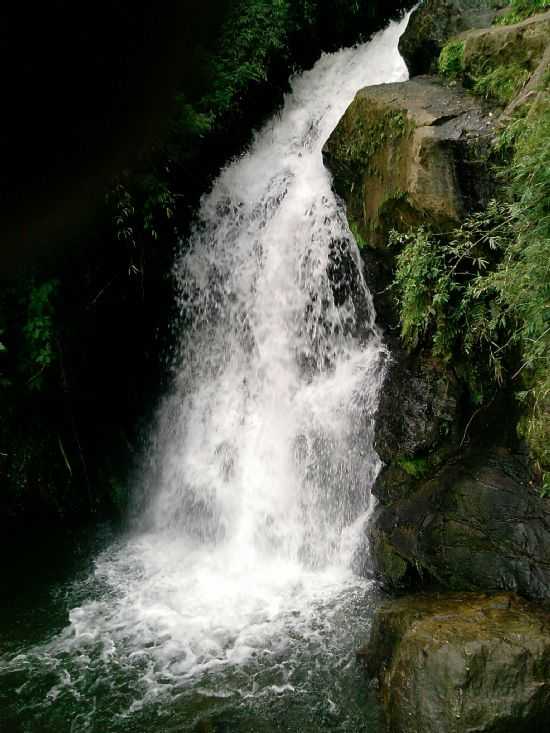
265 446
263 459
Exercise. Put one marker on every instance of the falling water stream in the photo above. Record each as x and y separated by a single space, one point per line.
234 605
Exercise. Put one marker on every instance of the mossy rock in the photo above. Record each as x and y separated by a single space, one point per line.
458 663
400 156
403 155
434 22
522 45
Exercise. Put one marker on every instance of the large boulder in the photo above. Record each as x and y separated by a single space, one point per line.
477 524
462 664
405 154
434 22
409 153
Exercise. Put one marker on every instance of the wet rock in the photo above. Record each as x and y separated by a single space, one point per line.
456 501
434 22
408 153
414 440
428 394
462 663
478 524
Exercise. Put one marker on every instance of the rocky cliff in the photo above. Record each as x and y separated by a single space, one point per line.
422 168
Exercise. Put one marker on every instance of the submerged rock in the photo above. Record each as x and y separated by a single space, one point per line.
462 663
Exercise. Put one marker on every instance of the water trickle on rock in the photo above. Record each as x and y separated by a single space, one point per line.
260 470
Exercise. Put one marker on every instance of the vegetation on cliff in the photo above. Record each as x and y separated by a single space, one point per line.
480 294
461 287
519 10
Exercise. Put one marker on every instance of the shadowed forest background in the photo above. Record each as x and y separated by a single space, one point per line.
116 118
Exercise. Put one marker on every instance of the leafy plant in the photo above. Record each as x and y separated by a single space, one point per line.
451 60
437 282
39 333
523 277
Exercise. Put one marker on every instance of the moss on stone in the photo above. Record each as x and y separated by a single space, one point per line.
359 239
415 467
502 83
392 566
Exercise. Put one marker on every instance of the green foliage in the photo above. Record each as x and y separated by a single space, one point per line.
481 294
499 83
140 208
415 467
437 282
359 239
254 31
508 137
520 10
451 60
254 36
502 83
158 203
39 333
523 277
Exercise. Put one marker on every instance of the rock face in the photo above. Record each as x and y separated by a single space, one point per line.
462 663
406 153
457 507
476 525
523 44
402 155
428 397
434 22
415 439
456 502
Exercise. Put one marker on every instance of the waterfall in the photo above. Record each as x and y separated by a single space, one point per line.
261 466
265 445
